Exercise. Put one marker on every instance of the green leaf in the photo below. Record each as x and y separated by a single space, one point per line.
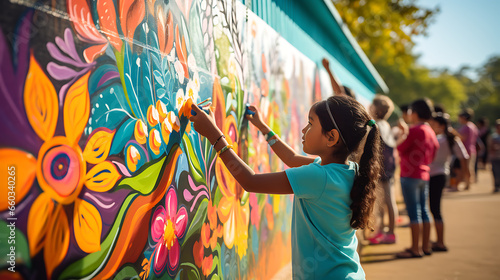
191 270
119 56
239 98
128 272
218 196
222 49
19 242
198 219
145 181
91 263
214 263
193 161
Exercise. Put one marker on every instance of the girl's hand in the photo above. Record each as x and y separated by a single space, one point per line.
205 124
326 63
255 119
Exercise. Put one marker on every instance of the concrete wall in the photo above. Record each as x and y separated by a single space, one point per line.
102 176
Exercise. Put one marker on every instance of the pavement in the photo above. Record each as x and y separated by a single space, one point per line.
472 235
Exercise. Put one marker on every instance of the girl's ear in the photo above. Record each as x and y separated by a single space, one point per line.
333 137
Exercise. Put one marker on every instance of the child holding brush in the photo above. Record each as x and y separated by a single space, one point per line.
333 196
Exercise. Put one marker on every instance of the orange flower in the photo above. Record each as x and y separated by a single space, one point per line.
207 264
234 216
61 169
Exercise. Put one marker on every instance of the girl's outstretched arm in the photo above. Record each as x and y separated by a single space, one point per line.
271 183
282 150
336 85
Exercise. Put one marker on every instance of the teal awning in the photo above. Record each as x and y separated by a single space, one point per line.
315 29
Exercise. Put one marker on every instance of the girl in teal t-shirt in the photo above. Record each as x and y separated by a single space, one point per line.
333 195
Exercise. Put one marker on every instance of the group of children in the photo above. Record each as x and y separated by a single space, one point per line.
429 150
335 191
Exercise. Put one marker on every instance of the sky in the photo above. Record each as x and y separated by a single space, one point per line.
464 33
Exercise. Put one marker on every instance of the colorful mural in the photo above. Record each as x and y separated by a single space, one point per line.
102 176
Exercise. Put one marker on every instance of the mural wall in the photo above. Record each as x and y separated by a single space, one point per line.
102 175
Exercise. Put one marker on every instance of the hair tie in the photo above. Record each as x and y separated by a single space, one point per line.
371 123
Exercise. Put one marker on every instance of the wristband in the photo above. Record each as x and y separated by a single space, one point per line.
272 142
269 135
227 147
216 141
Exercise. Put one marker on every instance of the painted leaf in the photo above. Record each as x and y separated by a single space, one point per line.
107 21
102 177
98 146
91 262
219 102
197 222
24 173
76 109
39 219
131 15
81 18
142 182
87 223
92 52
22 250
57 243
193 161
180 46
165 30
40 101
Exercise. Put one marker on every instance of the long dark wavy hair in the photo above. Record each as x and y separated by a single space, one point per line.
352 118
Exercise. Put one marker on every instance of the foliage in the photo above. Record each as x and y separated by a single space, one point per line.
442 87
484 94
385 29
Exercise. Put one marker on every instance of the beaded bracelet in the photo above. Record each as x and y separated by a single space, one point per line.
269 135
227 147
216 141
272 142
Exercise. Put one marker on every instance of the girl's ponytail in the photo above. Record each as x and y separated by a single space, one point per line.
355 125
365 183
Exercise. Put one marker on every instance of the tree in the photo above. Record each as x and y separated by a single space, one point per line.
385 29
440 86
484 94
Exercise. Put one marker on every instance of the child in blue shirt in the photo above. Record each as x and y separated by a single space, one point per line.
333 196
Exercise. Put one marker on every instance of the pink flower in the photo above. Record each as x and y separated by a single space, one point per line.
169 225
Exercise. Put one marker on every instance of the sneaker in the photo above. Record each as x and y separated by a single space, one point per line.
376 239
388 238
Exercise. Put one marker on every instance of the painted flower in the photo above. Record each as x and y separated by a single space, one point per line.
234 214
168 226
192 90
131 14
200 260
61 169
179 69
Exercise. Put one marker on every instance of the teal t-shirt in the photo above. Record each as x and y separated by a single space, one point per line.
323 242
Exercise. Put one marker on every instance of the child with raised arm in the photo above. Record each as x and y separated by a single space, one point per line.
333 196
